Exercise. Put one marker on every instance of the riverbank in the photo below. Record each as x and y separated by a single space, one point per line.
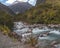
7 42
39 25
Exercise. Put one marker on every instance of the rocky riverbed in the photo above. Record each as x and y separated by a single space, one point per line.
48 35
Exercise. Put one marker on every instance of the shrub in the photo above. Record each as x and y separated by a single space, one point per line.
33 40
4 29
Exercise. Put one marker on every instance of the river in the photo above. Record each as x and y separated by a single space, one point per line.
51 34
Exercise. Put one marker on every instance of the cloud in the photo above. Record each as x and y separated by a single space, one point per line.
32 2
23 0
9 1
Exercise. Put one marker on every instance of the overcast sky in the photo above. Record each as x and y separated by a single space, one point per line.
8 2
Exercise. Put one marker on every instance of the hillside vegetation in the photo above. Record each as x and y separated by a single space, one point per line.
45 13
6 22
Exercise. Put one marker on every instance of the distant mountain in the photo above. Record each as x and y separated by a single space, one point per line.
20 7
6 9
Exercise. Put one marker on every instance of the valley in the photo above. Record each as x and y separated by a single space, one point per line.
25 26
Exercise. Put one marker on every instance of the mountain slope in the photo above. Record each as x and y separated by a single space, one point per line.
6 9
42 13
40 1
5 17
20 7
54 2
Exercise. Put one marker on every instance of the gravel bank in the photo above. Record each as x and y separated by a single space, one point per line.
7 42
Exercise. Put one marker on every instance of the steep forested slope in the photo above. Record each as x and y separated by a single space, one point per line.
6 19
47 12
6 9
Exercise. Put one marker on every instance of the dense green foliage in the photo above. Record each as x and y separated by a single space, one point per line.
47 13
6 19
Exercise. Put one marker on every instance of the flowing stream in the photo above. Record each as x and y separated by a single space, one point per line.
48 33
